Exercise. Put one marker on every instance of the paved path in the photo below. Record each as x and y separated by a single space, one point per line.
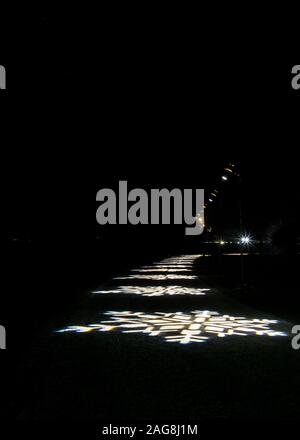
159 343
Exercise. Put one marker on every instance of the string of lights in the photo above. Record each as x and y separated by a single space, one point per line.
229 172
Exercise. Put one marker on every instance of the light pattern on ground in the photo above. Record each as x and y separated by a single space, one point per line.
153 290
168 266
157 277
196 326
161 270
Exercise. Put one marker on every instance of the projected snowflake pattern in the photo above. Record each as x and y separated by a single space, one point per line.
196 326
183 258
161 270
168 266
177 264
159 277
154 290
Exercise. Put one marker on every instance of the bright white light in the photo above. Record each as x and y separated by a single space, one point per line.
224 178
245 239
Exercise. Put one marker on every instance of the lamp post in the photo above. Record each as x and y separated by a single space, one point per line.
243 238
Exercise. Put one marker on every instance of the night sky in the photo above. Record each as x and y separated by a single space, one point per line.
91 108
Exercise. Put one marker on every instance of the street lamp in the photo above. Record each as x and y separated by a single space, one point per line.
245 239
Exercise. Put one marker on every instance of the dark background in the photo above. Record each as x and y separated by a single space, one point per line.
89 103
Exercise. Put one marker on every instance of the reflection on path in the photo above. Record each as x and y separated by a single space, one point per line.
196 326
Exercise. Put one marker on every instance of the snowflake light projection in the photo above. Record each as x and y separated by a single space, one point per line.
167 266
184 328
160 277
183 258
161 270
177 262
153 290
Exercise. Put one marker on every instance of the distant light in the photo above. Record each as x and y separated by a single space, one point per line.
200 221
222 242
210 200
245 239
224 177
